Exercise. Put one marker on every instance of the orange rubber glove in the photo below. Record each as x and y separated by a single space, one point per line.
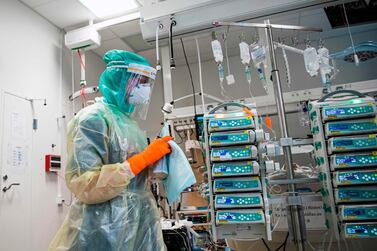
151 154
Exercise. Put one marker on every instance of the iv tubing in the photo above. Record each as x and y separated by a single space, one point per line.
349 31
157 55
159 26
200 74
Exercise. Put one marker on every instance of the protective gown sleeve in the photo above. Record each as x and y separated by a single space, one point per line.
89 175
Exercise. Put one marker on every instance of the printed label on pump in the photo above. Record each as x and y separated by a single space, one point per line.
314 216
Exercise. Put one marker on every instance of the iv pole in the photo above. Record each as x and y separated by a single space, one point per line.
295 216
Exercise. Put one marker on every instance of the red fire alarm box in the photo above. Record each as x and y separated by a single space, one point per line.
53 163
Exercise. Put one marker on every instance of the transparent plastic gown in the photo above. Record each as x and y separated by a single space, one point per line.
114 209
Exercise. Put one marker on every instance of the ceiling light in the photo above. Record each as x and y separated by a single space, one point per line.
106 8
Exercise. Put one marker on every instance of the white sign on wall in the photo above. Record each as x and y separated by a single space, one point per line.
17 125
17 152
17 155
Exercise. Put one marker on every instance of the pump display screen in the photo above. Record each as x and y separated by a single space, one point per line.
338 127
230 153
336 111
241 216
238 153
351 127
224 124
346 160
356 194
363 212
352 193
244 216
357 160
354 212
219 137
237 184
228 216
349 177
225 184
362 142
230 122
343 143
238 200
224 169
356 177
234 138
360 230
235 168
349 110
352 111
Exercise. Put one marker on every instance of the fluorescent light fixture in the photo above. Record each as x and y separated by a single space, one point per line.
117 20
102 8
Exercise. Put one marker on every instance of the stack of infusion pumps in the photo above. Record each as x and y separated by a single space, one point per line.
345 141
237 191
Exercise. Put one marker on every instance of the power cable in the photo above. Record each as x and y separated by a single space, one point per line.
284 244
189 69
265 244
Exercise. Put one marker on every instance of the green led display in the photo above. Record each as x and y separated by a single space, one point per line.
244 216
224 124
235 168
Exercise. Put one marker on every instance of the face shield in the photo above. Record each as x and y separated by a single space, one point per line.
139 88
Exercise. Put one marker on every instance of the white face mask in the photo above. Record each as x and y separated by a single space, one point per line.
140 94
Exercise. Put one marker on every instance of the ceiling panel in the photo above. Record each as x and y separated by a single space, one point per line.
116 43
107 34
127 29
137 43
65 13
35 3
150 55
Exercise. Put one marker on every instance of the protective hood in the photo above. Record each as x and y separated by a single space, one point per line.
114 79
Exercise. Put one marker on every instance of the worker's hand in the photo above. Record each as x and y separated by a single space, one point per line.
151 154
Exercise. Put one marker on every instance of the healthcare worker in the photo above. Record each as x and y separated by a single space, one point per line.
107 165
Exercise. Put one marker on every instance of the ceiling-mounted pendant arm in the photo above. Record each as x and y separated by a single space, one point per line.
81 54
172 24
274 26
158 28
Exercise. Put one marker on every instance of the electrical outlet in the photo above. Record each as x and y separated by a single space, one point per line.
59 200
184 121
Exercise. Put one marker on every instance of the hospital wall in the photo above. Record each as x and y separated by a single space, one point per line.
33 65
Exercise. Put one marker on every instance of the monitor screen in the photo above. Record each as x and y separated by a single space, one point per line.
199 126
